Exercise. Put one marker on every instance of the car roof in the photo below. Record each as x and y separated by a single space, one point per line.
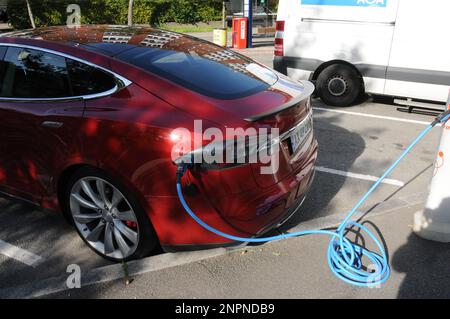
111 40
136 45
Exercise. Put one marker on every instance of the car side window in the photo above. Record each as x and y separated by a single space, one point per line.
27 73
88 80
34 74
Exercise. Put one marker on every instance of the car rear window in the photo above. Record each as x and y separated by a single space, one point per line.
88 80
222 74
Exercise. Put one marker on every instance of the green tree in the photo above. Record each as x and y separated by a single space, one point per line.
154 12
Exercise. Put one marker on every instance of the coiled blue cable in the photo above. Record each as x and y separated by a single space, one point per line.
344 257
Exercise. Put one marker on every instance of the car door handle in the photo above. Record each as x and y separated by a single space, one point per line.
51 124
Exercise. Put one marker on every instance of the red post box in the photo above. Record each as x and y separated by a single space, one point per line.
240 26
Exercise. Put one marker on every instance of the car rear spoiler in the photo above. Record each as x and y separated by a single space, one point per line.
308 90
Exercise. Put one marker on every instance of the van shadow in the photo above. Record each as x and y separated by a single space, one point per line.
427 111
426 266
338 149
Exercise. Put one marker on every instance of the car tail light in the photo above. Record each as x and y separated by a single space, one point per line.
279 38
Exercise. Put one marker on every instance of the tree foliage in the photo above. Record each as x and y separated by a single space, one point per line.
154 12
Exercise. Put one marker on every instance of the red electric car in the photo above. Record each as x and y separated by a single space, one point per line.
86 122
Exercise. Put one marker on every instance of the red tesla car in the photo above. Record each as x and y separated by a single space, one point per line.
86 122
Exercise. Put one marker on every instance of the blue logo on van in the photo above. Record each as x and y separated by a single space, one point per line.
347 3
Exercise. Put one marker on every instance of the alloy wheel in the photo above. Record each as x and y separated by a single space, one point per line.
104 217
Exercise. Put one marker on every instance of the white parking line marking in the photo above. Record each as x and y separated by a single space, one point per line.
389 118
359 176
20 254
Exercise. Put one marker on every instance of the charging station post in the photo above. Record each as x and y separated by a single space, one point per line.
433 223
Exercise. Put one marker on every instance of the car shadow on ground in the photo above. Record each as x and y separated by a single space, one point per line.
334 139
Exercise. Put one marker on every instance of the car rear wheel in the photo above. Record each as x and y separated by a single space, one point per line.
339 85
108 218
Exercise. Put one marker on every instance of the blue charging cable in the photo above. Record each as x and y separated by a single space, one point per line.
345 258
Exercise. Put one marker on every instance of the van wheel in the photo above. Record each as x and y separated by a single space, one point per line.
108 217
339 85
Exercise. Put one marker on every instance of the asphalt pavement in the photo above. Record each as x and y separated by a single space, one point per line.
357 144
294 268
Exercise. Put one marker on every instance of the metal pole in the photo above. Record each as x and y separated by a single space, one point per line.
224 15
248 13
250 25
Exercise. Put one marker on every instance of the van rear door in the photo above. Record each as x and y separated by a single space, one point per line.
419 65
356 31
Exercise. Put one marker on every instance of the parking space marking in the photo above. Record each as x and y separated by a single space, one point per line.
20 254
389 118
359 176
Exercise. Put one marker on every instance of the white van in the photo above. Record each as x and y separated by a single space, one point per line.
399 48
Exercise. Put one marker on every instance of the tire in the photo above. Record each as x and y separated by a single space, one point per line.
340 85
120 230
